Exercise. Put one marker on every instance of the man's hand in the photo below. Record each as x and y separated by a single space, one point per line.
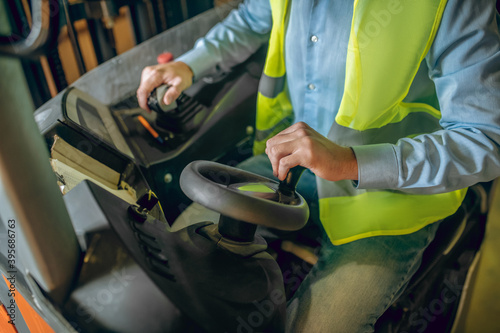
176 74
299 144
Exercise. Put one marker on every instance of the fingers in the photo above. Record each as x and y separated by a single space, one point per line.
286 155
297 126
289 148
301 145
287 162
177 75
293 132
171 95
150 79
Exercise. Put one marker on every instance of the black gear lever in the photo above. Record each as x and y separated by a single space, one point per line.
288 185
181 117
155 100
242 231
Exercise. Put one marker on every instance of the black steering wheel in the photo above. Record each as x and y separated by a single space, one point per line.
245 196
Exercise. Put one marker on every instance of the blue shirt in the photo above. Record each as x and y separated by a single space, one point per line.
462 68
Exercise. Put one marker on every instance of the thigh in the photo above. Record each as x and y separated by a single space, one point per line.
353 284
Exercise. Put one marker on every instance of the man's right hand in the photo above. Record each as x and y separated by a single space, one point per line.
176 74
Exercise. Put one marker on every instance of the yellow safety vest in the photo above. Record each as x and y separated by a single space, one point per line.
381 64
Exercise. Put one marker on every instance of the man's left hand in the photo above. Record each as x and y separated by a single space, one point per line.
299 144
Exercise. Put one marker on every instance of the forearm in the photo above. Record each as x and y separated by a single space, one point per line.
227 44
231 41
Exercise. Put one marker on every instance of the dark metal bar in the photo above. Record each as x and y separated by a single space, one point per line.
174 13
101 41
37 83
56 69
139 18
74 39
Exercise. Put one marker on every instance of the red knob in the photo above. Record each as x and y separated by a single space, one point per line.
165 57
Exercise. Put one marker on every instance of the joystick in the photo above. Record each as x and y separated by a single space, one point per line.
155 100
182 117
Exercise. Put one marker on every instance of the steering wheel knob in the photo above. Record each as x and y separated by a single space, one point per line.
244 196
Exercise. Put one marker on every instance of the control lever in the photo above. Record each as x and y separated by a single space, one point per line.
242 231
200 180
182 117
288 185
155 100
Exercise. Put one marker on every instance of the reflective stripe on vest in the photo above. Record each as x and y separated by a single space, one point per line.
274 110
387 44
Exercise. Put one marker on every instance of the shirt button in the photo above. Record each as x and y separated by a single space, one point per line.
314 39
311 86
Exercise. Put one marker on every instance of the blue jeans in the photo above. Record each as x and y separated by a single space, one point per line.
352 284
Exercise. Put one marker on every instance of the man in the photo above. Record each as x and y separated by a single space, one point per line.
396 111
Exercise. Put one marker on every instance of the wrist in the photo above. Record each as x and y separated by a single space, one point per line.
187 71
351 165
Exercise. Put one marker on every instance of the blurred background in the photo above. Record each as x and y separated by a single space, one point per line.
90 32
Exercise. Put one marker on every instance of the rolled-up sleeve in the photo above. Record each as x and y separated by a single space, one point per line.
231 41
